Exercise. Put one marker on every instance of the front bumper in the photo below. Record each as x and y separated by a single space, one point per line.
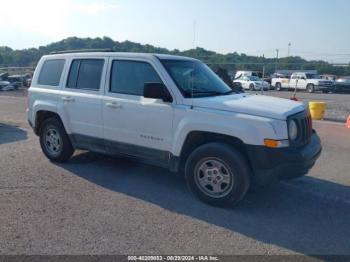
265 88
324 87
283 163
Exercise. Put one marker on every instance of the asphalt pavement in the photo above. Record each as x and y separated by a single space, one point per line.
101 205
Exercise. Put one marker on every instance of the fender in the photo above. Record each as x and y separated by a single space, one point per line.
251 130
51 106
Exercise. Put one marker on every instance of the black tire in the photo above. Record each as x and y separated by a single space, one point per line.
278 87
236 167
64 146
251 87
310 88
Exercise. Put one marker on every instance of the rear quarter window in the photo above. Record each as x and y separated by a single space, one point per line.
51 72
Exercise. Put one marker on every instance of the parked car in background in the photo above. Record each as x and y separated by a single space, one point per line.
303 81
342 85
252 83
14 81
19 80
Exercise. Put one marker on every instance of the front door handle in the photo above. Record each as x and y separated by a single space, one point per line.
114 105
68 99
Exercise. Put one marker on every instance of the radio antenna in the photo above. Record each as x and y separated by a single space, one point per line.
191 75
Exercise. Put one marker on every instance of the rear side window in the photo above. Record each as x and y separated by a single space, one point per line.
85 74
129 77
51 72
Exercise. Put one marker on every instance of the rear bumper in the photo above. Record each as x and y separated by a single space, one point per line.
283 163
28 118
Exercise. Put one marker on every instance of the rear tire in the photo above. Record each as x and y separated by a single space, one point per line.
278 87
54 140
218 174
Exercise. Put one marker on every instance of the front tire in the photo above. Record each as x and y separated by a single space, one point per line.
310 88
251 87
54 140
218 174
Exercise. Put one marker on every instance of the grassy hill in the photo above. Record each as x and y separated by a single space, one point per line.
231 61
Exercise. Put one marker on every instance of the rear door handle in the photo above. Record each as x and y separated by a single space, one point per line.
68 99
114 105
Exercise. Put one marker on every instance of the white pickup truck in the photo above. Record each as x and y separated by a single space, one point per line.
303 81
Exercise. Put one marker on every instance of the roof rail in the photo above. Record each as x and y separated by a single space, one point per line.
82 51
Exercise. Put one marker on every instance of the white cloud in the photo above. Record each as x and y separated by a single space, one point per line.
47 17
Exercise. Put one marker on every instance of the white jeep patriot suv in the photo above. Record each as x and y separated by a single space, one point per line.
172 112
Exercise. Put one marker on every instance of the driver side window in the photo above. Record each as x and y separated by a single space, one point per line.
129 77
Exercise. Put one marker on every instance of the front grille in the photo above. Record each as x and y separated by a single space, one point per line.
304 123
326 83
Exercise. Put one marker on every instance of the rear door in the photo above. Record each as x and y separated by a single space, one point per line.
81 100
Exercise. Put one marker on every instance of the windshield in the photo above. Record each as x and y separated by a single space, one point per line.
195 79
312 76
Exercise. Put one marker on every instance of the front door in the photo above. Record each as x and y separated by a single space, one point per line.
302 83
135 125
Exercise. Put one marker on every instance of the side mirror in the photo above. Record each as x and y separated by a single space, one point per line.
157 91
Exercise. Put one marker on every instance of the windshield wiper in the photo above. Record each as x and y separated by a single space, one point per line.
230 92
214 93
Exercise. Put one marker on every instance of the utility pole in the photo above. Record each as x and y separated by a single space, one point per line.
289 45
276 60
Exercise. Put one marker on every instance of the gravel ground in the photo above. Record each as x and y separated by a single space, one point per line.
338 105
101 205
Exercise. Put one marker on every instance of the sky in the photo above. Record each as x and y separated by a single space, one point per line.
316 29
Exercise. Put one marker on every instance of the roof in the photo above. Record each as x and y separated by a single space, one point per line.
121 54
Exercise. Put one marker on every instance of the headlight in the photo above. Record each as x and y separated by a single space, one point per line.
293 130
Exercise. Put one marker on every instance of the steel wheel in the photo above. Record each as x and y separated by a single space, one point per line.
53 141
213 177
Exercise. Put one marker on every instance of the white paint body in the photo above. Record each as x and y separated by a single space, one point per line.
129 118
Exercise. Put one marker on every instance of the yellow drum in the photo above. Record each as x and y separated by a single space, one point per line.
317 110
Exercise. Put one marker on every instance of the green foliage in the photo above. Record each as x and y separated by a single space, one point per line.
229 62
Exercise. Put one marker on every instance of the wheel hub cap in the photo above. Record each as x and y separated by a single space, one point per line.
213 177
52 141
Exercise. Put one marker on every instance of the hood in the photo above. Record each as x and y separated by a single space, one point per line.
258 105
